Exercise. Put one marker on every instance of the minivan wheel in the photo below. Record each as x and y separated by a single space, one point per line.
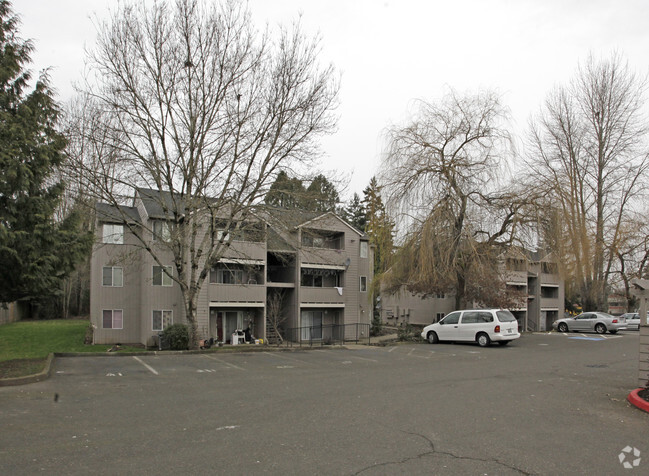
563 327
483 340
600 328
432 338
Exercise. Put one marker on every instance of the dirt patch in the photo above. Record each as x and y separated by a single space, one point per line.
21 367
644 393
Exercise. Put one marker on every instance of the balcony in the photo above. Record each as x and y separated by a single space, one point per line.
322 295
237 292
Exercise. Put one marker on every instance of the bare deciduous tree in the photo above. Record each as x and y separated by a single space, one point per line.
198 104
441 173
588 151
276 314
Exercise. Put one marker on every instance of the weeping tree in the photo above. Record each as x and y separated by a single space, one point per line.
200 105
588 153
443 182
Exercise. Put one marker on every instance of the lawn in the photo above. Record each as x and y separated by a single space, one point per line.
25 345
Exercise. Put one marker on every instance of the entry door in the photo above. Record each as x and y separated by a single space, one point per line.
233 321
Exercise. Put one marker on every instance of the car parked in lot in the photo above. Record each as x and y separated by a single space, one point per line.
632 320
483 326
599 322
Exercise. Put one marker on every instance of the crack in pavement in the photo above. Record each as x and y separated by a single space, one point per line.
434 451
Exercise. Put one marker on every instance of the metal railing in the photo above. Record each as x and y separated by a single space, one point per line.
327 334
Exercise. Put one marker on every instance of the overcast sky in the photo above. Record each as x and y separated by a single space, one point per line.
390 52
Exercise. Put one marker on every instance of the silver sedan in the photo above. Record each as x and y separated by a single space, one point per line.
599 322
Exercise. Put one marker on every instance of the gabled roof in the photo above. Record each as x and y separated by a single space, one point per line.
111 214
336 217
155 201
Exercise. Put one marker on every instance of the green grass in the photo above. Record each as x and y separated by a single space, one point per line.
25 345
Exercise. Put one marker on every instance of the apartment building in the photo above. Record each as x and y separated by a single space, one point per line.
317 266
531 277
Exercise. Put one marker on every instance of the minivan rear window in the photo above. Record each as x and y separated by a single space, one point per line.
505 316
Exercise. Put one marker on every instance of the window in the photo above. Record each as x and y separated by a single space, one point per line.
441 296
226 276
452 318
161 320
439 316
113 276
320 239
363 288
162 278
161 231
112 319
364 249
311 280
477 317
113 234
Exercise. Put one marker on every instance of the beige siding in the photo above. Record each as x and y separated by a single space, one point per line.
125 298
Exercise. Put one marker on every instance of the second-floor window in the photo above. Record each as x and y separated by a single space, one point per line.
364 247
363 284
160 277
113 234
112 276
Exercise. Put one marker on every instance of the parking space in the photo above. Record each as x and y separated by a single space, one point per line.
326 359
411 408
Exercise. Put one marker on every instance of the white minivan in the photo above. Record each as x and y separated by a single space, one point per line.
483 326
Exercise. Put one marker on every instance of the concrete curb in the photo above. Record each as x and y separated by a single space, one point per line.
637 401
7 382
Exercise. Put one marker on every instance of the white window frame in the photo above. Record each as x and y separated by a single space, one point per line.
166 315
166 279
113 269
364 246
113 234
161 231
112 318
362 284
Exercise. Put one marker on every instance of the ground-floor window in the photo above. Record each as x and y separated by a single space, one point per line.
162 319
112 319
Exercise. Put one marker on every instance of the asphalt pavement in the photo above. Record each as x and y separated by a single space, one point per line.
546 404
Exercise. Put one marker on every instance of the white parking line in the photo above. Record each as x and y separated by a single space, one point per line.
151 369
224 362
349 356
277 354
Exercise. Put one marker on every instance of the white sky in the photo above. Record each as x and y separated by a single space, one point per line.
393 51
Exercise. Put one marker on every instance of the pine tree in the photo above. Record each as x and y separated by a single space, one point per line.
354 213
36 251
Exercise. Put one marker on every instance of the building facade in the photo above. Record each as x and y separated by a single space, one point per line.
531 275
309 271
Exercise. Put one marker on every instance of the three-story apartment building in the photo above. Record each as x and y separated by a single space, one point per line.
531 278
317 266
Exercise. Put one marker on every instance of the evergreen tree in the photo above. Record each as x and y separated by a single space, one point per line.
379 226
286 192
354 213
36 251
321 195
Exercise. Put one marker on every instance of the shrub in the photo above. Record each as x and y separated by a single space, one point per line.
408 333
377 324
176 337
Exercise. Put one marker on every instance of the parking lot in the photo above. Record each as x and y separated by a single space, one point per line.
547 404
